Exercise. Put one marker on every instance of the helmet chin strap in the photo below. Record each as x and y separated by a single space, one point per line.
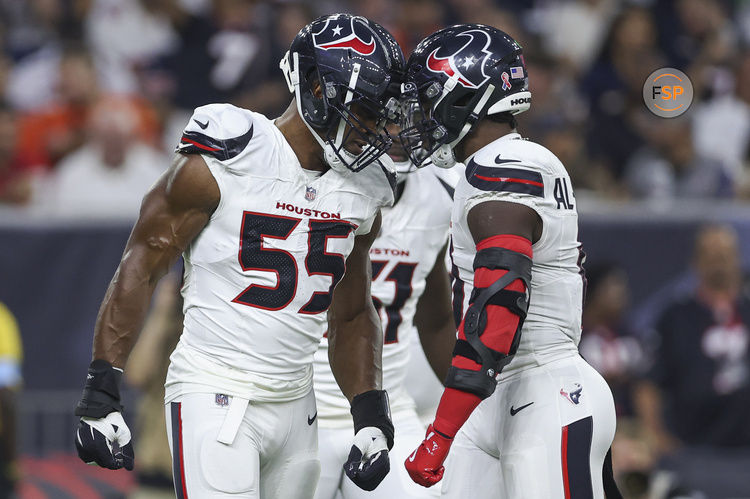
444 157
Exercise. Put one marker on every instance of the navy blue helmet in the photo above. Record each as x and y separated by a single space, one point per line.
358 66
454 78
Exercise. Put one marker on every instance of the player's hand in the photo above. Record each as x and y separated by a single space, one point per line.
368 462
102 437
425 465
105 441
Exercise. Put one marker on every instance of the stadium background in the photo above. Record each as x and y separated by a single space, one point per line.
95 93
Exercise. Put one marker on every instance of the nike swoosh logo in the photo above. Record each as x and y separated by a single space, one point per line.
202 125
500 161
513 411
413 455
311 420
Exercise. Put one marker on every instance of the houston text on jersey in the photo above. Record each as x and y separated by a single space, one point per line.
308 212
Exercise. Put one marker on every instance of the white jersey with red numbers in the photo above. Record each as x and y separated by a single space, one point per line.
259 277
412 234
515 170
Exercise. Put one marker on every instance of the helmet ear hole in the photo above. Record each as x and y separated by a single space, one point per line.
317 90
313 81
314 102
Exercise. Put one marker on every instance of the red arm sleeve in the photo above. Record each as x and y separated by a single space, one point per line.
502 325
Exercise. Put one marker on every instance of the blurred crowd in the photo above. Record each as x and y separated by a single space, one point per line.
682 385
95 92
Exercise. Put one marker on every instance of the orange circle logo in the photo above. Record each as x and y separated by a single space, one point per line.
668 92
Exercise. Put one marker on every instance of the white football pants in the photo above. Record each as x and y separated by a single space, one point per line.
229 447
543 434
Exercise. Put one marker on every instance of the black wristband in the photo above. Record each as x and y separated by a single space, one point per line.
101 393
372 409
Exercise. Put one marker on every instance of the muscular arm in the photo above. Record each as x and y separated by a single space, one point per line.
434 318
158 336
489 332
498 217
355 336
172 214
513 223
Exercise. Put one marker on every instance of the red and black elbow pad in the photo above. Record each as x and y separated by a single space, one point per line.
490 331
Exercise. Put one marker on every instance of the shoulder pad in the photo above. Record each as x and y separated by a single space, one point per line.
506 175
448 177
219 130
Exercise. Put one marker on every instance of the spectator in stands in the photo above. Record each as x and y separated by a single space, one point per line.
721 125
110 173
10 382
614 87
222 52
47 136
697 394
574 32
669 167
604 343
109 28
271 96
15 173
696 36
33 31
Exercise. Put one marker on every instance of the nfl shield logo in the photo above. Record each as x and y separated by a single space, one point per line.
222 400
310 193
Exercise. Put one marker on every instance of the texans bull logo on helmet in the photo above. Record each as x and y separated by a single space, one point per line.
469 70
343 35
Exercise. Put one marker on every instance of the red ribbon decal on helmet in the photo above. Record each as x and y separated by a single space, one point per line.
506 80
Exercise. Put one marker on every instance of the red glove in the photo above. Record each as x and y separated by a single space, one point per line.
425 465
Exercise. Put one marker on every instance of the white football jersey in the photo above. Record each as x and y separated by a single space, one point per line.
412 234
259 277
515 170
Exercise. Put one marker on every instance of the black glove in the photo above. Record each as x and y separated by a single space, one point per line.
368 463
102 436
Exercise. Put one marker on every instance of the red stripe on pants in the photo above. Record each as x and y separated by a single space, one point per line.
182 455
564 446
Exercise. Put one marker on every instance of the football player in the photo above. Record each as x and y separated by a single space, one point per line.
411 291
536 420
274 220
